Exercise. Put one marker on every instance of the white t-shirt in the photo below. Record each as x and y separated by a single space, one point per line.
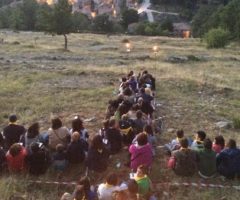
105 191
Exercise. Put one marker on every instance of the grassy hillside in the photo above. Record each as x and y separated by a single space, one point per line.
38 79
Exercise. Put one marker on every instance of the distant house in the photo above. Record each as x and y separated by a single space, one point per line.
182 29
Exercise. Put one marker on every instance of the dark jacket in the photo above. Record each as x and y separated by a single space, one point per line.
76 151
38 162
114 138
207 162
12 134
185 162
97 160
228 162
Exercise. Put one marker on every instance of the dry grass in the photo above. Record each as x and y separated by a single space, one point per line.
37 80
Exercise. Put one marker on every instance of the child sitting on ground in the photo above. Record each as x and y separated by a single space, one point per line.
174 144
60 158
219 144
143 181
198 142
76 149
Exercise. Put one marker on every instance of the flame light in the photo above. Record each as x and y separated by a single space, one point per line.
93 14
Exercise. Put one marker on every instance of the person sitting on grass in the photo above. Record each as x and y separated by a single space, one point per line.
58 134
228 160
152 140
78 194
114 137
13 132
77 126
175 143
219 144
98 155
183 161
198 142
38 160
141 152
207 160
2 159
76 149
89 194
32 136
131 193
143 181
126 129
59 158
105 190
139 122
16 158
103 130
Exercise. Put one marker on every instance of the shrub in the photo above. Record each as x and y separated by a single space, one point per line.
217 38
236 122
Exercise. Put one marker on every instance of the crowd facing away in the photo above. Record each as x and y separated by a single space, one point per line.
129 122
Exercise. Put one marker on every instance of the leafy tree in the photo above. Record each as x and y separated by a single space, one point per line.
101 23
5 18
16 19
129 16
80 22
60 21
29 14
217 38
167 25
43 16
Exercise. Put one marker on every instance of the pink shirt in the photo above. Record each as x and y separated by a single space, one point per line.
140 155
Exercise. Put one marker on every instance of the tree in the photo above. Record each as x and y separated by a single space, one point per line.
129 16
29 10
60 21
80 22
101 23
43 15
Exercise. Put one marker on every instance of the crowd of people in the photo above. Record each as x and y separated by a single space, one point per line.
129 122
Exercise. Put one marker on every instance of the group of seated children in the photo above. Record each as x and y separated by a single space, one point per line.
138 187
204 156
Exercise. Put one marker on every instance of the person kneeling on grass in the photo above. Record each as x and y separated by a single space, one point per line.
228 161
207 160
106 190
183 161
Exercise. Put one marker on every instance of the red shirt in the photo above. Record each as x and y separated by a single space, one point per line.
16 163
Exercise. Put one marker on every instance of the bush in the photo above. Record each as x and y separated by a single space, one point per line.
236 122
217 38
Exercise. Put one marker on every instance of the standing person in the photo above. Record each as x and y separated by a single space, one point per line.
207 160
16 158
183 161
76 149
97 159
13 132
38 160
228 160
141 153
32 136
114 137
198 142
77 126
219 144
58 134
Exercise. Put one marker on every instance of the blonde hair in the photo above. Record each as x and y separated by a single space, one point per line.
75 136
